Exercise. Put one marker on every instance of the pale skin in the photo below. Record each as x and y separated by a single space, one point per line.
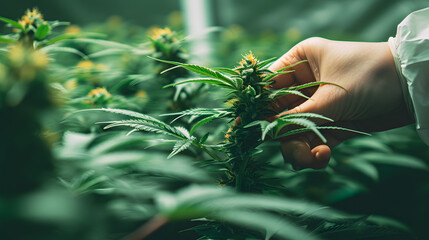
370 99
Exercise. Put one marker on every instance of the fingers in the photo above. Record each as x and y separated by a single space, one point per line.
300 155
308 151
303 73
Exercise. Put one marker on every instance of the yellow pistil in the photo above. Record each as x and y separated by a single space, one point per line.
85 64
231 102
32 14
99 92
71 84
39 59
141 94
72 29
156 33
248 58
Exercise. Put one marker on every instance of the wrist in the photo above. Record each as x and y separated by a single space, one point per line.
393 45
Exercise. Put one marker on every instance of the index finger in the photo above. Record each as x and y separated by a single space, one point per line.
302 72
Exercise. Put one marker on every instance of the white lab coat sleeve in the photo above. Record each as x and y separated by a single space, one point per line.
410 49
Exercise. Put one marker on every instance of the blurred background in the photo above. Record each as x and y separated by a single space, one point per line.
64 197
270 27
364 20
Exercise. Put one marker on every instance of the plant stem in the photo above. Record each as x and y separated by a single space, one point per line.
211 154
214 156
240 176
148 228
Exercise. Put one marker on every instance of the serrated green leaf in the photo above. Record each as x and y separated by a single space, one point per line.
307 124
199 70
282 92
226 70
180 146
342 129
268 128
127 113
271 76
197 112
292 65
184 132
306 115
202 122
312 84
204 80
263 63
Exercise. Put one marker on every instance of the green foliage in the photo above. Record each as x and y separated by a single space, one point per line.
65 177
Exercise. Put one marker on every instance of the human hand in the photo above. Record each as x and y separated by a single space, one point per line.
371 100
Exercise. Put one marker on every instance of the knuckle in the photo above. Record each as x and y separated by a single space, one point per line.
313 41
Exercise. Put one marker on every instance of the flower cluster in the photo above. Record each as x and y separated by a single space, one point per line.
31 18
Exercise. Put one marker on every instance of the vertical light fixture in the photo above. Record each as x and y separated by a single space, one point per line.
198 19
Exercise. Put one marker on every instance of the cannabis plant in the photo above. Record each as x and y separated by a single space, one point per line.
249 98
24 100
32 29
168 45
234 161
